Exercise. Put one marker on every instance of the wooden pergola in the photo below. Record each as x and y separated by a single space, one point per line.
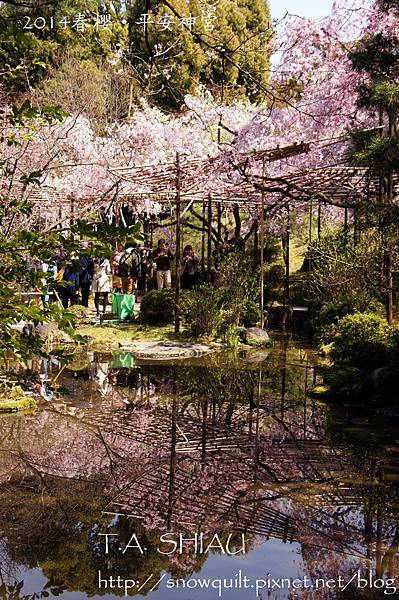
230 179
241 180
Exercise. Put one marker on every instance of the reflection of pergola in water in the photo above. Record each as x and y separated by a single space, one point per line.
200 438
183 497
210 476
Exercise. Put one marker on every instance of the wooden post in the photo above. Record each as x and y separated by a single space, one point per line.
262 252
256 449
219 213
310 252
256 244
116 213
283 363
305 403
146 224
355 227
203 236
204 432
388 254
172 463
209 249
286 248
262 259
178 243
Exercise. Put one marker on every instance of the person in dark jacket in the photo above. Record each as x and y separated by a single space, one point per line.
129 268
86 273
188 268
69 288
162 257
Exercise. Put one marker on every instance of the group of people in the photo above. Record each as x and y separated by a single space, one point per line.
77 277
132 269
136 266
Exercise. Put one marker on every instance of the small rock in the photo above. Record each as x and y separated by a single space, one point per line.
256 356
255 336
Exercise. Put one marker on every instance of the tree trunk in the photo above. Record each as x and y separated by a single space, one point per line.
209 249
237 218
286 256
178 244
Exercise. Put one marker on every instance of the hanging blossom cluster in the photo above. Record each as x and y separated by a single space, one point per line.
315 65
77 162
88 165
318 86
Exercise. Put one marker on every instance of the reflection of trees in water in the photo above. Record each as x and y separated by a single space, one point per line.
366 504
208 448
56 524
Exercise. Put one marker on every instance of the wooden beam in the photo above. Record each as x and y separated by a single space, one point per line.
203 237
262 253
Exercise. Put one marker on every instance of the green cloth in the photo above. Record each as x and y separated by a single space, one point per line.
123 359
123 306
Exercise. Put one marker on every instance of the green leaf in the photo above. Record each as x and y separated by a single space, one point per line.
33 177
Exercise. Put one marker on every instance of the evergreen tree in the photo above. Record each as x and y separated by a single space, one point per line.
376 57
226 43
186 45
34 36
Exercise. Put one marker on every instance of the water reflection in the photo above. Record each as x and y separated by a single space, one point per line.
230 446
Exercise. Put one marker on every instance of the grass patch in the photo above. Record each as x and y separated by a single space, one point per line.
16 405
320 392
15 401
297 255
115 334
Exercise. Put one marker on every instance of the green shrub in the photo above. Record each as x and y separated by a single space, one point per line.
274 275
215 310
231 337
320 392
200 311
345 272
346 376
365 340
16 400
299 289
251 314
274 282
158 307
271 249
336 309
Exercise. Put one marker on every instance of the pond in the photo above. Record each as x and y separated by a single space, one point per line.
213 478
